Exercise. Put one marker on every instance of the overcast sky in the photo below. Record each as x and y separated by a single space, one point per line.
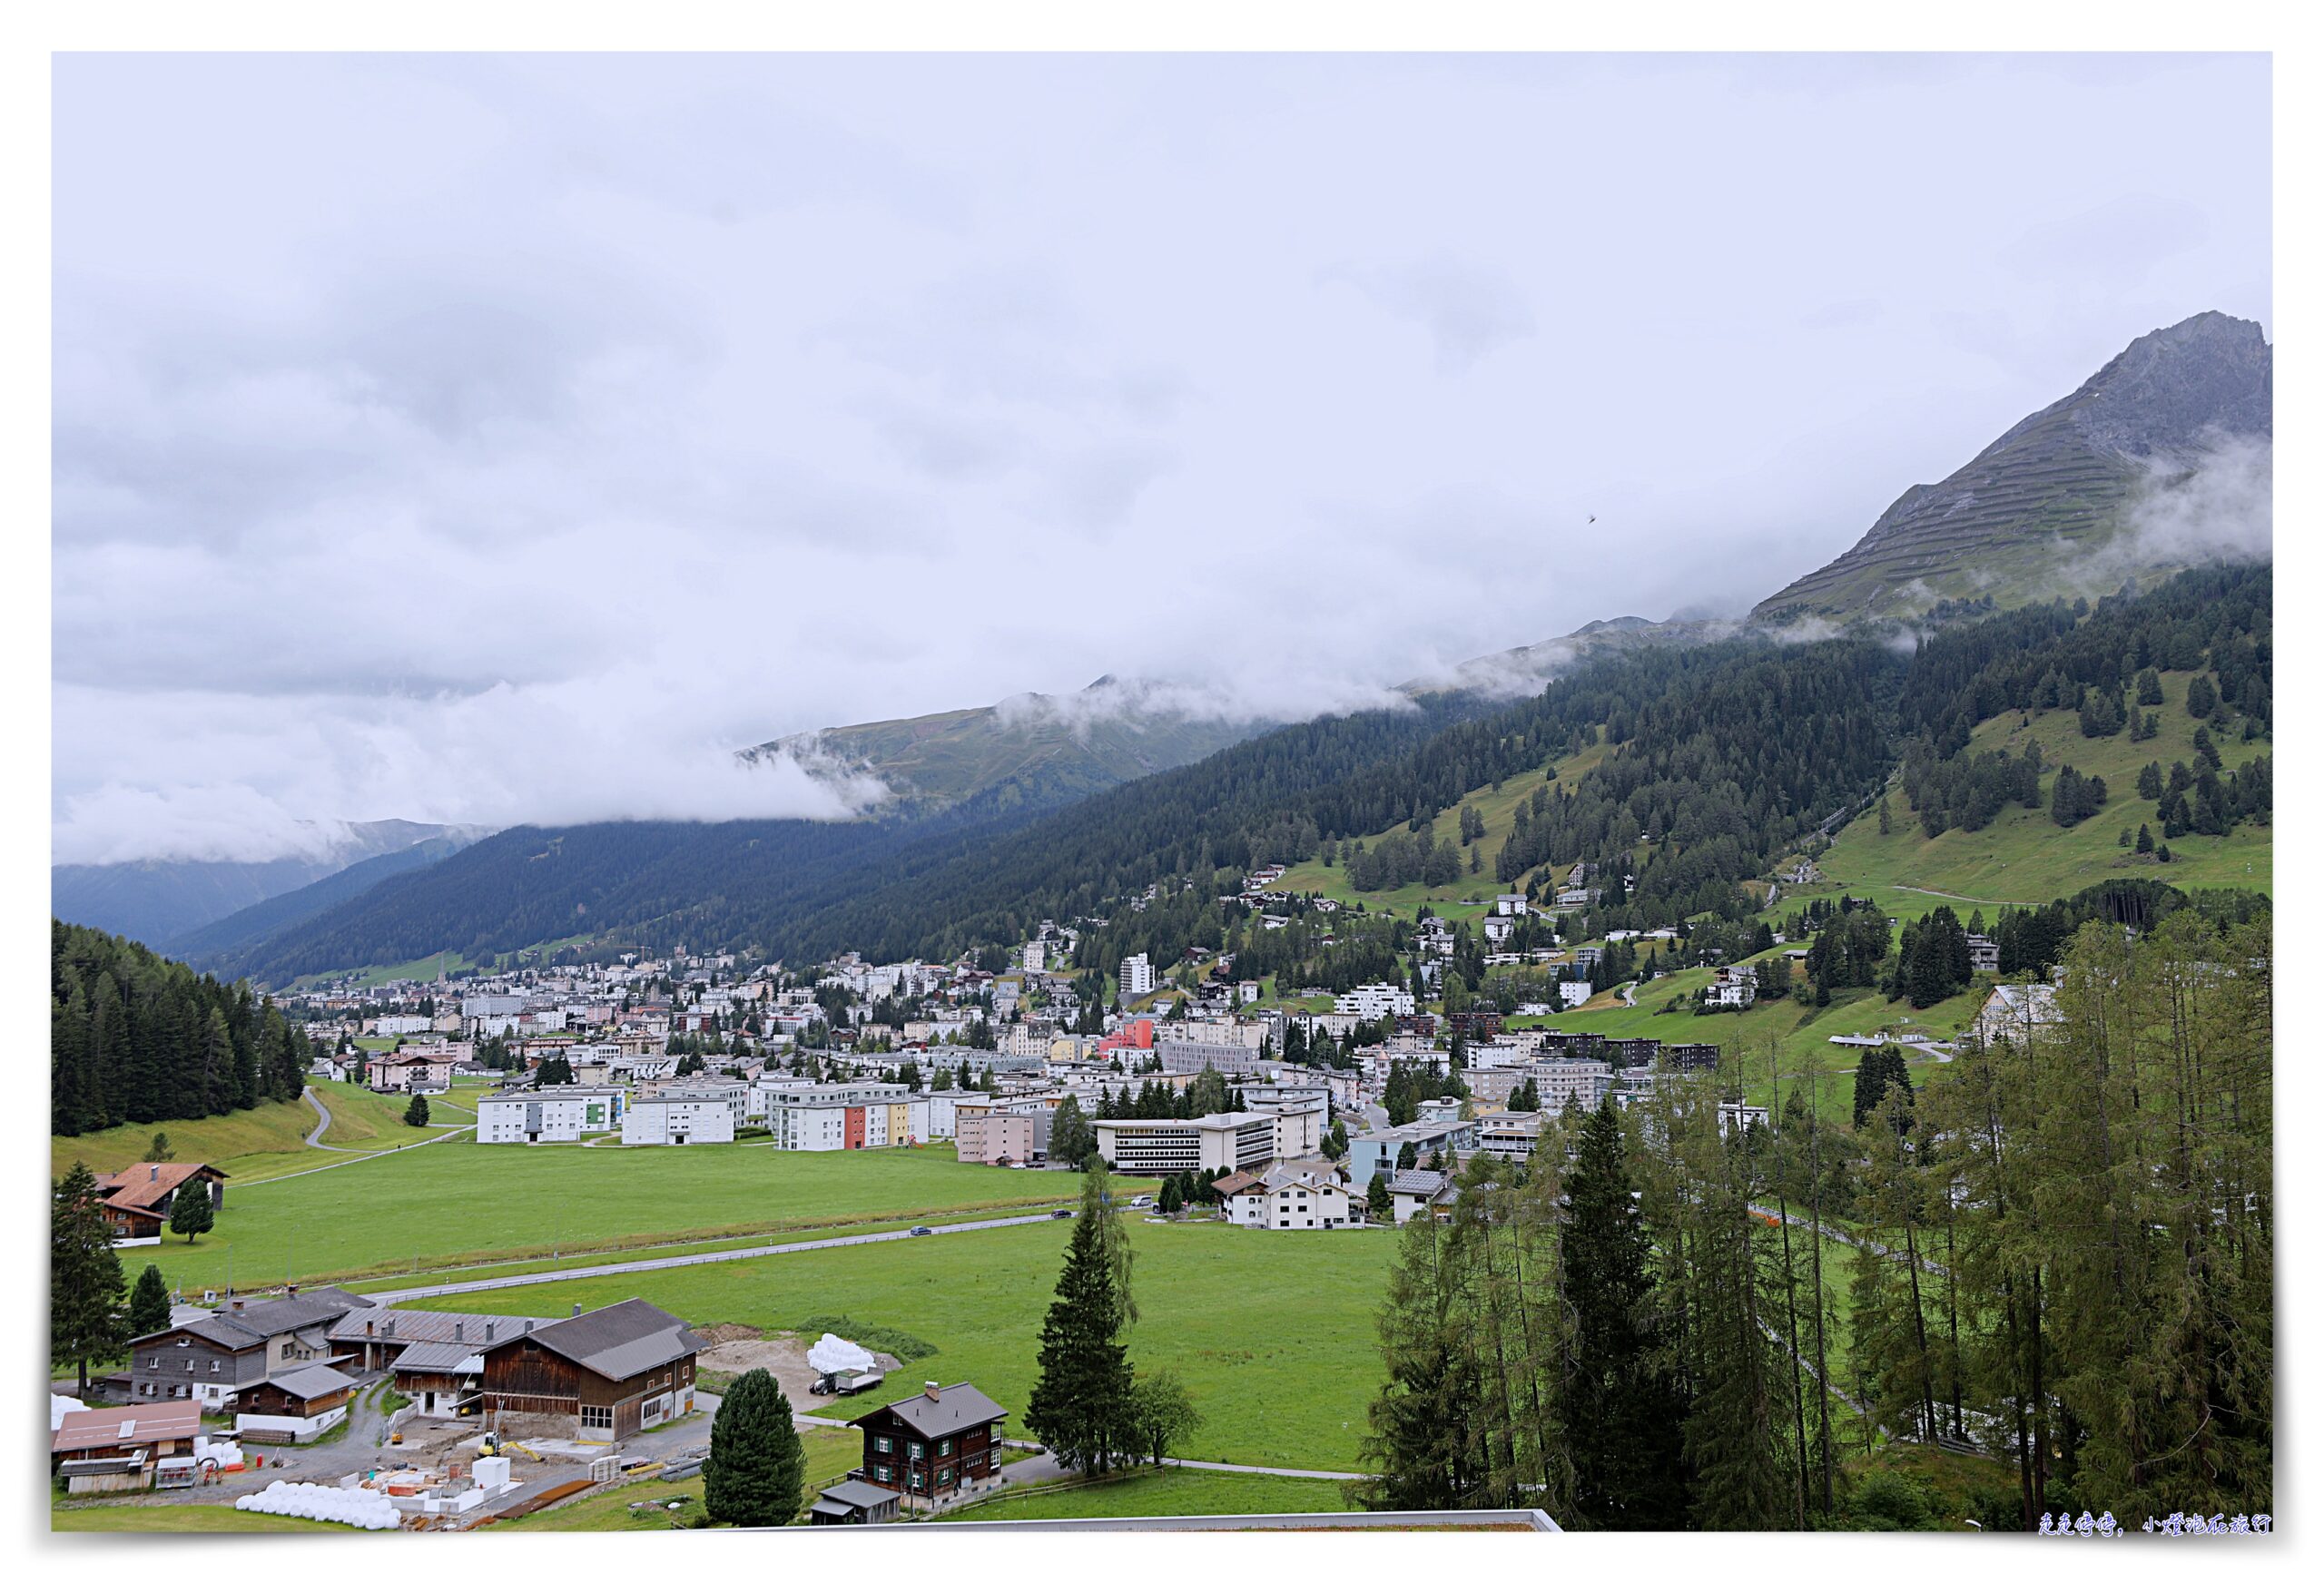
496 439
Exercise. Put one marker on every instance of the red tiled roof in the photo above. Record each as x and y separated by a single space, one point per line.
136 1186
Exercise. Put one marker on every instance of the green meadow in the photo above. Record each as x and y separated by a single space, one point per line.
1272 1332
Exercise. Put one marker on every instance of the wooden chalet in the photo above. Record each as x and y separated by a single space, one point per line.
308 1392
611 1373
136 1199
931 1448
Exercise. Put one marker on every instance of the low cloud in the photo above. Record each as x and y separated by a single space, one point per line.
1469 311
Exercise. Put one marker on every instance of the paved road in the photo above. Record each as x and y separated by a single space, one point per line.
728 1256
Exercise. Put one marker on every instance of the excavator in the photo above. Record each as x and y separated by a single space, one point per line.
493 1446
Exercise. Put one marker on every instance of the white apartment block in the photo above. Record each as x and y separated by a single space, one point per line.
1373 1001
845 1115
560 1114
1136 976
1236 1140
678 1119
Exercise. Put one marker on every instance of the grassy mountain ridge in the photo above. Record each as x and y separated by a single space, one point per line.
2057 485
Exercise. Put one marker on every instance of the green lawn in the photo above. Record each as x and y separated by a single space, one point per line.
453 1202
180 1519
1272 1332
1158 1492
2023 856
263 1141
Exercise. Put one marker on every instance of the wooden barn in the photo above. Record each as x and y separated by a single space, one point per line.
610 1373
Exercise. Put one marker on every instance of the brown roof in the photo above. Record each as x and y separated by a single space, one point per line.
1229 1185
102 1427
139 1186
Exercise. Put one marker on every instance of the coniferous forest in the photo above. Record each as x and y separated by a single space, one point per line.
2060 1254
136 1037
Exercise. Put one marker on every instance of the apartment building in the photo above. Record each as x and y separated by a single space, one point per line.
1235 1140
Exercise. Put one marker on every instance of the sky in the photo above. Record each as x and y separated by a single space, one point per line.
499 439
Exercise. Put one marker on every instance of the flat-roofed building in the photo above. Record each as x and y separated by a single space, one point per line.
1234 1140
561 1113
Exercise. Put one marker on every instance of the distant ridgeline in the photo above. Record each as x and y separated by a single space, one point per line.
1717 760
137 1038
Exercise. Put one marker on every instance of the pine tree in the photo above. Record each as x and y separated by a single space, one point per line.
86 1323
190 1213
1081 1405
149 1304
416 1113
1623 1411
1418 1437
755 1474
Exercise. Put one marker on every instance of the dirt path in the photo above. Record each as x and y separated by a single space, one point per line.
737 1348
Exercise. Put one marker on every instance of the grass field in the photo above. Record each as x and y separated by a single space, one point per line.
2023 856
1272 1333
249 1143
1157 1492
451 1202
180 1519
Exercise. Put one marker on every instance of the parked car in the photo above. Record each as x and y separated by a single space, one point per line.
920 1231
1060 1215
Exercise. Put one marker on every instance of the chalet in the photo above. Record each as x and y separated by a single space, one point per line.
1985 954
410 1071
611 1373
296 1407
137 1198
121 1448
213 1358
934 1447
2013 1011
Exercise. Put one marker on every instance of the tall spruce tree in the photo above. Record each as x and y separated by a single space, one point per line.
85 1323
1623 1408
755 1474
1418 1438
1082 1405
149 1304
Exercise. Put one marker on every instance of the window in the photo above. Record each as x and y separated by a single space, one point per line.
214 1365
597 1417
944 1448
155 1361
881 1474
943 1477
880 1443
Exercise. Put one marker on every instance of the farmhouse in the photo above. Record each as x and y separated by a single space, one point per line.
934 1447
120 1448
212 1360
138 1198
294 1408
610 1373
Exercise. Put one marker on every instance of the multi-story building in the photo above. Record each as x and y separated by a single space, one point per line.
1378 1151
1284 1199
1509 1135
844 1116
696 1113
561 1113
1228 1060
1235 1140
1136 976
1373 1001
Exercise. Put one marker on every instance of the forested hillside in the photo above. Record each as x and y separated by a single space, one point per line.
1701 767
137 1038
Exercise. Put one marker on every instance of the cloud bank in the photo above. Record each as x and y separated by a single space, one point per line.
525 434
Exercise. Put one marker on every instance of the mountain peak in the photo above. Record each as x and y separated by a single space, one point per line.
2057 483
